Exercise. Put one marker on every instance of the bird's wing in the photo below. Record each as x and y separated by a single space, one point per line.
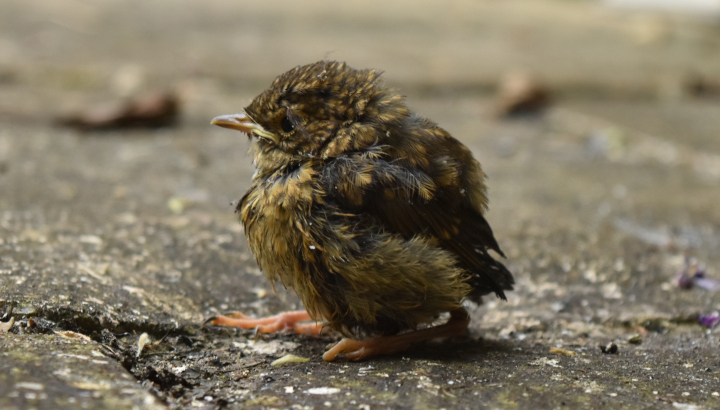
408 201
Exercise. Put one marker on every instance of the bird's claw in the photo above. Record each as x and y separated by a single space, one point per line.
350 349
209 320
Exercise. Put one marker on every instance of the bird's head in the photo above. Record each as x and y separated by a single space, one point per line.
319 110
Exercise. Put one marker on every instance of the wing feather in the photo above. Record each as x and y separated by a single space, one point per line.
407 201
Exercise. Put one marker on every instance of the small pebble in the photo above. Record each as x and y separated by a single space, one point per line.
5 326
610 348
635 339
323 390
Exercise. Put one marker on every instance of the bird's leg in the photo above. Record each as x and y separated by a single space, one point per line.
376 346
281 321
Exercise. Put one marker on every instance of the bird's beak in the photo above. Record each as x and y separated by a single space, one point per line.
243 123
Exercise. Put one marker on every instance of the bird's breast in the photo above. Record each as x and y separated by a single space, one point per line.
276 216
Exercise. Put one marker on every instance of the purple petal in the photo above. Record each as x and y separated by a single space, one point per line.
685 281
709 284
709 321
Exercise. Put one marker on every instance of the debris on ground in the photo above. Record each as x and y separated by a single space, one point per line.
69 334
694 274
521 94
563 352
635 339
700 86
710 321
143 341
610 348
5 326
160 109
289 358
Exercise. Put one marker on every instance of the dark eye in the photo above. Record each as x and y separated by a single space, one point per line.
287 125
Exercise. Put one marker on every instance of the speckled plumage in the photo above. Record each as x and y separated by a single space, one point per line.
372 214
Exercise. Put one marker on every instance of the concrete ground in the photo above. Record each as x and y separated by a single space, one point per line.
598 203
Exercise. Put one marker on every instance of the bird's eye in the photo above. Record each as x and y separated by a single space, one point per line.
287 125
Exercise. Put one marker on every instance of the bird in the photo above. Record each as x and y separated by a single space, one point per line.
371 213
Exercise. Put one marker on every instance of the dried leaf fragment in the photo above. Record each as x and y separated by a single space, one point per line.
5 326
289 358
143 341
69 334
563 352
160 109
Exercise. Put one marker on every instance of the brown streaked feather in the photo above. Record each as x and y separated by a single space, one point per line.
418 207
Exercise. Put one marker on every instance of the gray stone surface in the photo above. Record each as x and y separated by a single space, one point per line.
597 204
65 370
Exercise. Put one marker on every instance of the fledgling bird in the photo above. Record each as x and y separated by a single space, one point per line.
372 214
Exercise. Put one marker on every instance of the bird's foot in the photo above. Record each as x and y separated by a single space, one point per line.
377 346
279 322
359 349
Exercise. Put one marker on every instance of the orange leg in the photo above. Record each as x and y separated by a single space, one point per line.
360 349
282 321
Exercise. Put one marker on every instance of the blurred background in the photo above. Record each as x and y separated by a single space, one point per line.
624 50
